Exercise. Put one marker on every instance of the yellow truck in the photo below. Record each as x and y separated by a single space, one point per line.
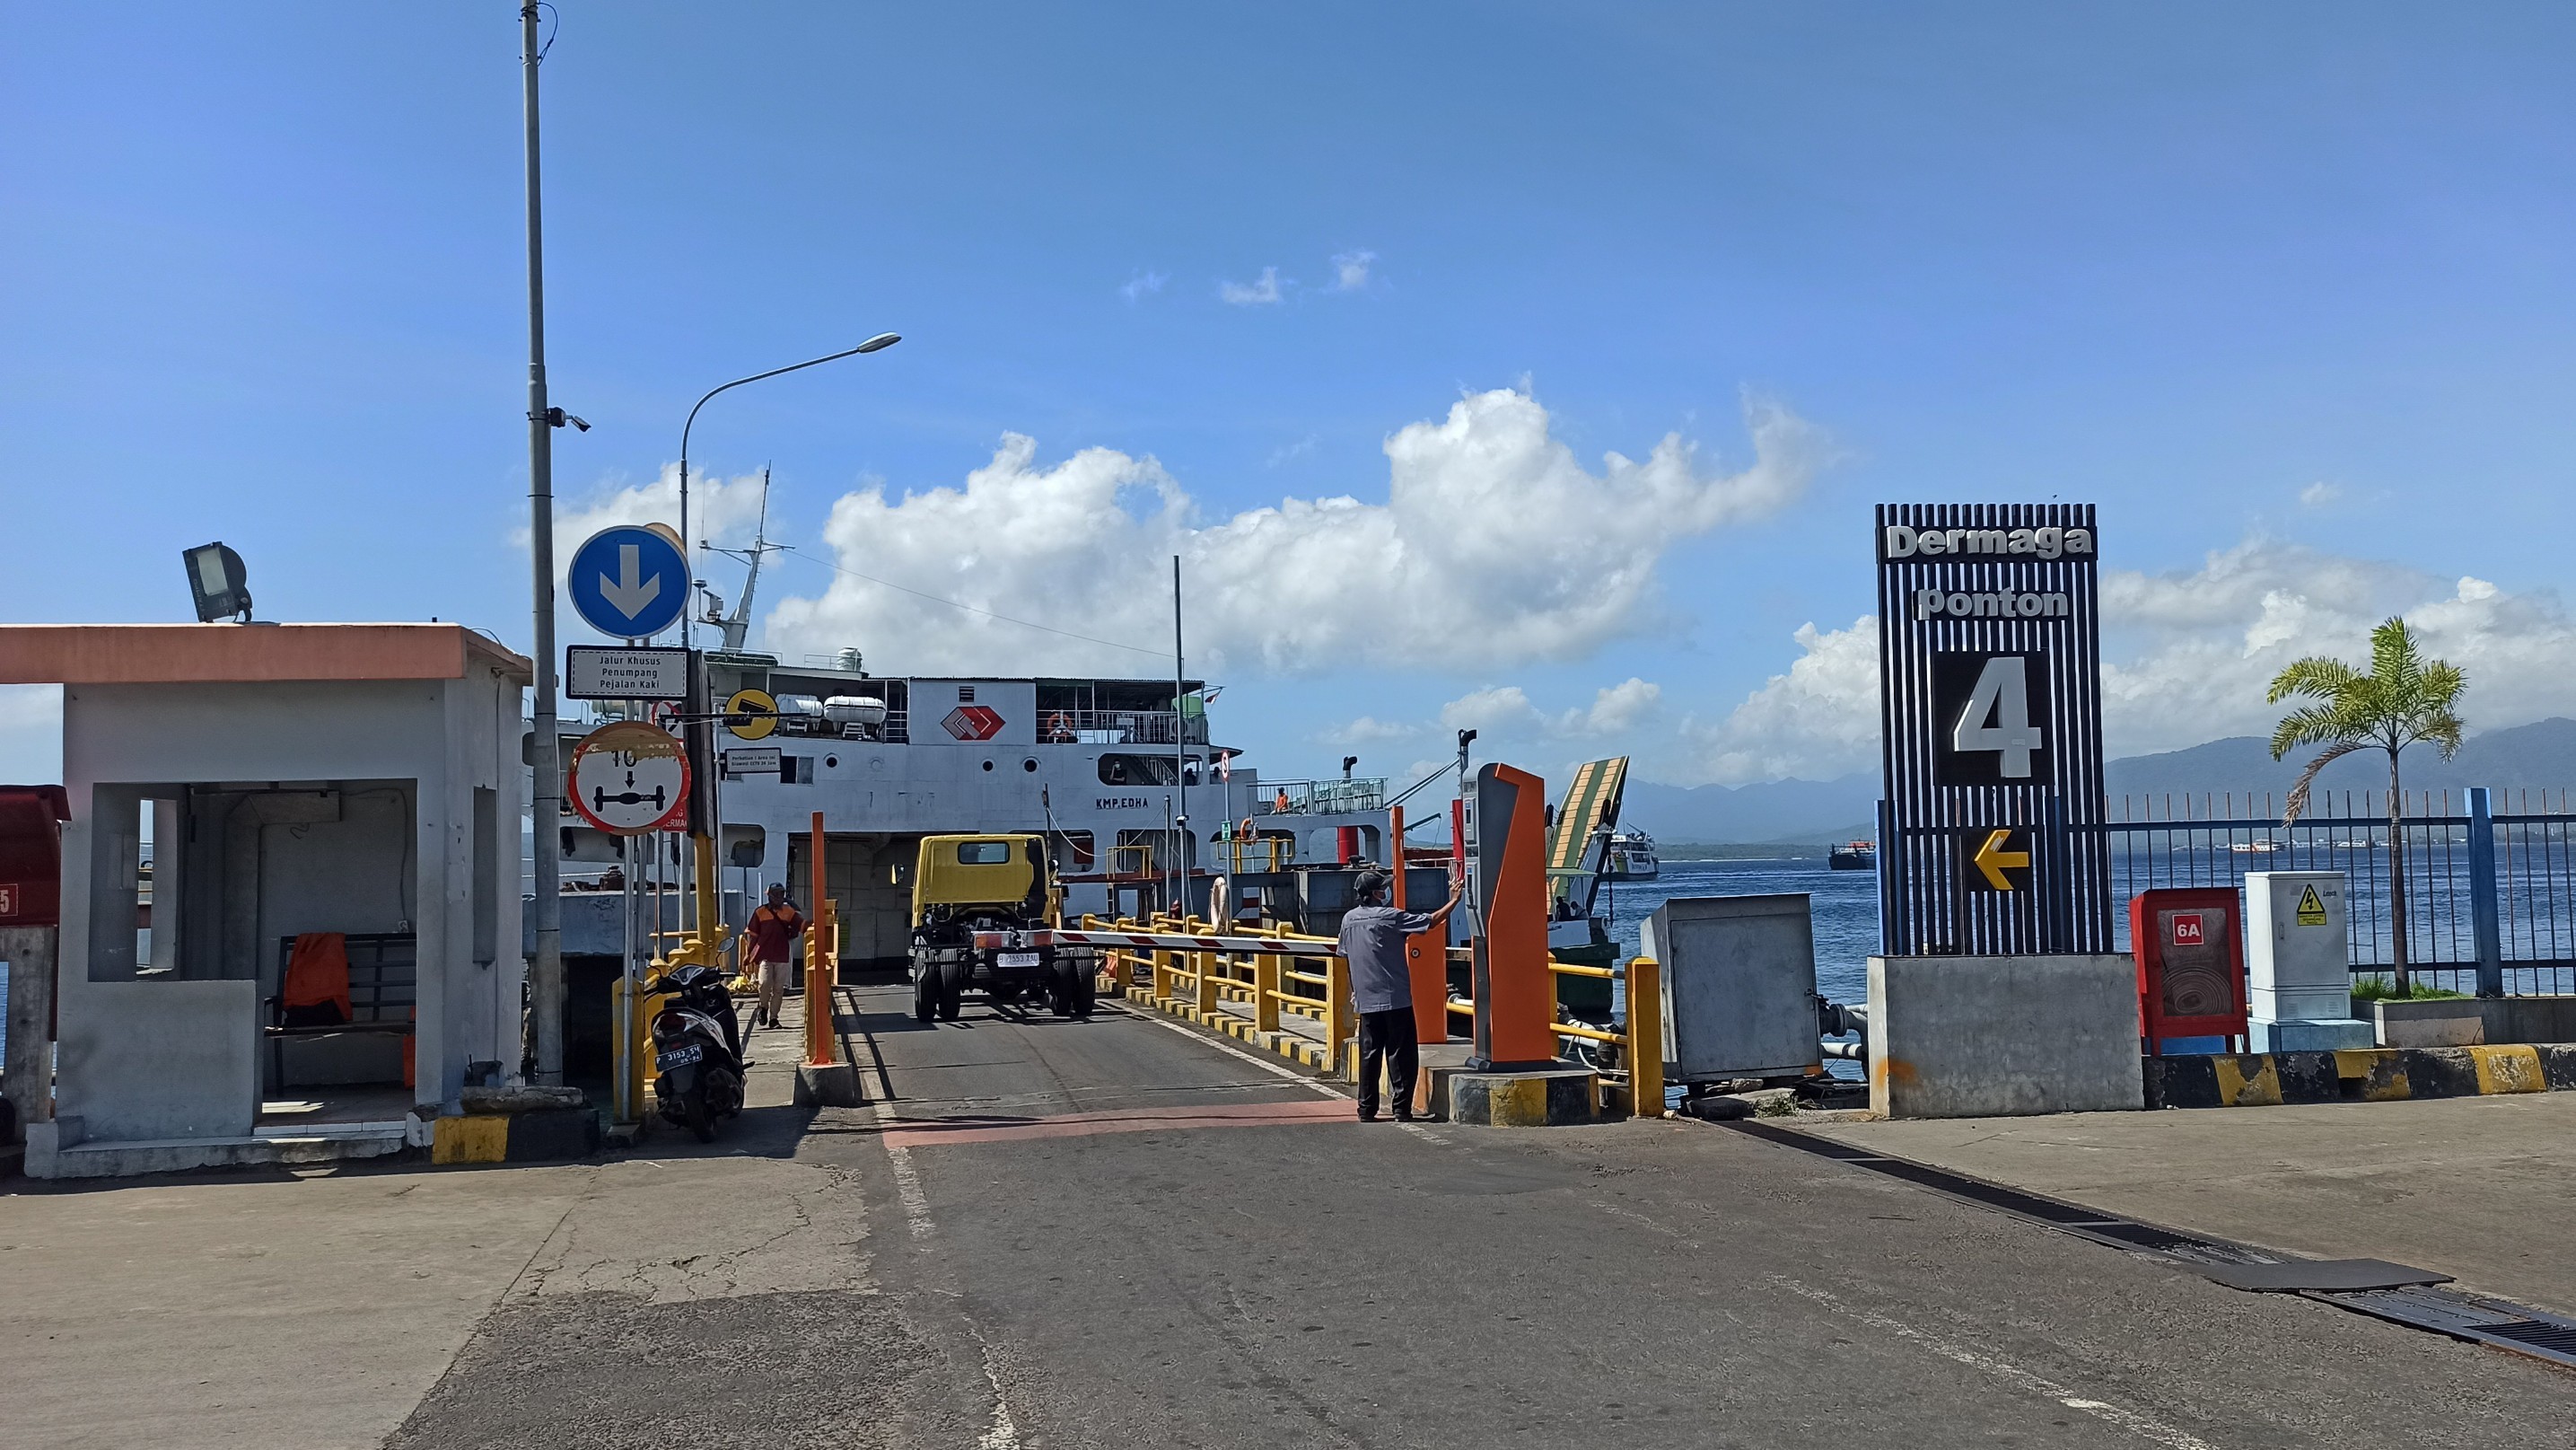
1000 886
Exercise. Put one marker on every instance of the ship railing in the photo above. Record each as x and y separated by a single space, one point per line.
1269 853
1323 797
1119 727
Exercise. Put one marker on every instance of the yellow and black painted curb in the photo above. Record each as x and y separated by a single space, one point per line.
2373 1075
1552 1099
514 1137
1301 1050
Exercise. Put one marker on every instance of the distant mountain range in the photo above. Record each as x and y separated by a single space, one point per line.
2535 757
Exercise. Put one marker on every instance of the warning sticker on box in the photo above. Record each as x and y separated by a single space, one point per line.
2311 910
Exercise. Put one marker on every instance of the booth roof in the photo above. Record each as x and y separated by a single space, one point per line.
167 654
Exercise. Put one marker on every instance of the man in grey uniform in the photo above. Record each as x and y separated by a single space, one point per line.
1373 936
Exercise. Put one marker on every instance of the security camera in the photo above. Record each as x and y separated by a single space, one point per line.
576 422
557 417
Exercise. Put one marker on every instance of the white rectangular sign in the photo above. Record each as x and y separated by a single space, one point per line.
762 761
601 672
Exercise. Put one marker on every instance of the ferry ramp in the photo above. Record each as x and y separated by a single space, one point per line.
1131 1232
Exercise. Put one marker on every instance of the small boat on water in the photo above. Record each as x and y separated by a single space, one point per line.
1632 857
1854 856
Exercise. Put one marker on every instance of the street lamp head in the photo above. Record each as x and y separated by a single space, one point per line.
880 342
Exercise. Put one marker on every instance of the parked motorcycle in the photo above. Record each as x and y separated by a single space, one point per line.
697 1051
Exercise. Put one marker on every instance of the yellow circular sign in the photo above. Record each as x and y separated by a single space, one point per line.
751 714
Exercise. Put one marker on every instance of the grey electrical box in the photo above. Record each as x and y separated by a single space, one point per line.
1739 978
2298 953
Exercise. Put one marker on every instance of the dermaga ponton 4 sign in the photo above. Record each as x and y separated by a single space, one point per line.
1990 690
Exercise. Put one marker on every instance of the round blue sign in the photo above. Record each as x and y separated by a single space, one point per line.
628 582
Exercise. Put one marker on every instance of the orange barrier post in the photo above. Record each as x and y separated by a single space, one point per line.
818 971
1426 953
1515 991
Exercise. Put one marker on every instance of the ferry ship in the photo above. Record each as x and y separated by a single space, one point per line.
1119 774
1854 856
1632 857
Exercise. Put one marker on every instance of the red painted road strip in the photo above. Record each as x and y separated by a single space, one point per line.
921 1134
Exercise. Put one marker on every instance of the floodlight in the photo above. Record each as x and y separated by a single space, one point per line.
879 343
219 582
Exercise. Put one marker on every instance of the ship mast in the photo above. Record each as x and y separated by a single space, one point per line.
737 625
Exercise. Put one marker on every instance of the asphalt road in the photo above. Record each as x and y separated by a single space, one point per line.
1124 1233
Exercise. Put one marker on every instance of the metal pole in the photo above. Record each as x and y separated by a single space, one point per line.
1180 759
545 969
29 1070
2483 919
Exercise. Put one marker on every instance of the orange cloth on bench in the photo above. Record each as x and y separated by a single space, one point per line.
317 972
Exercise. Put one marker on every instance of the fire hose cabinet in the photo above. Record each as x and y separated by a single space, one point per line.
2190 950
31 854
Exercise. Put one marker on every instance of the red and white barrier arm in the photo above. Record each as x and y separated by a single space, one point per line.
1013 941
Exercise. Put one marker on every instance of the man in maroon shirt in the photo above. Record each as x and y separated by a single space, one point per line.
772 940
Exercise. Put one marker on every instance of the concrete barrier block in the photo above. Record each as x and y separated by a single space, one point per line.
1954 1037
551 1133
833 1086
2440 1072
2375 1076
2557 1064
2514 1069
2180 1082
2432 1022
2308 1077
1545 1099
2248 1081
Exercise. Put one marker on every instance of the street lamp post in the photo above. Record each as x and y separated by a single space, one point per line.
700 728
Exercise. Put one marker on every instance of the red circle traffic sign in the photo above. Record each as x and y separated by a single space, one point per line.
629 779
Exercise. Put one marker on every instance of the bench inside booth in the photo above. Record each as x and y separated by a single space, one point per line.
383 981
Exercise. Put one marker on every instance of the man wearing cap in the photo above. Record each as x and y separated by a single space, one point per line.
1373 936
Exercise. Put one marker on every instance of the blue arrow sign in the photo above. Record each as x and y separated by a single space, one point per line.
628 582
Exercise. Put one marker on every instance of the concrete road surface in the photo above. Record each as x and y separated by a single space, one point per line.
1123 1233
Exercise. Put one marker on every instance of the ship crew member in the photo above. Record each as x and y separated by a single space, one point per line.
1279 806
1372 941
772 940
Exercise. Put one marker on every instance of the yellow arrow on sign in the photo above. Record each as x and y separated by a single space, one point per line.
1994 860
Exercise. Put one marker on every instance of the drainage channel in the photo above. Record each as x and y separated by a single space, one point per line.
2393 1292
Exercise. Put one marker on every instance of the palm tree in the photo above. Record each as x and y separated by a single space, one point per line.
2403 700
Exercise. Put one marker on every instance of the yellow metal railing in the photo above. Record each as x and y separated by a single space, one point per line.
1639 1077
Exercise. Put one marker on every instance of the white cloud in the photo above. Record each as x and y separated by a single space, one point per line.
1495 547
1368 730
722 511
2187 658
1351 270
1505 711
1142 283
1817 722
1262 293
1288 451
2318 494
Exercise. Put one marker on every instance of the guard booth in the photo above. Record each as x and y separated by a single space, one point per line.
291 867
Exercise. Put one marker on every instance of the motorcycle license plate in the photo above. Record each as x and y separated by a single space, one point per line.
1016 959
679 1056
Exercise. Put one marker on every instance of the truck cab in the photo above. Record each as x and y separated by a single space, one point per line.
992 884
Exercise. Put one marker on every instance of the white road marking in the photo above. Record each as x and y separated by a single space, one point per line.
1005 1432
1280 1069
2144 1426
907 1184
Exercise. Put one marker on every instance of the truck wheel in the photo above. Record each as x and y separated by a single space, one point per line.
1083 991
952 982
925 994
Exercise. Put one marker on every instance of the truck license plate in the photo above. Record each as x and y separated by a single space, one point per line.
678 1057
1016 959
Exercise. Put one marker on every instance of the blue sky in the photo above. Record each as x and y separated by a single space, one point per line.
2285 290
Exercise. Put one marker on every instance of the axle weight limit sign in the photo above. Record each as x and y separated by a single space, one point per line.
629 778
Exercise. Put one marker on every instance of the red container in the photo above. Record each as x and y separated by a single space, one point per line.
31 854
2189 942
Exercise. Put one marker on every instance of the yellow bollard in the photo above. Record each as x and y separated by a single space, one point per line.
1265 992
1646 1038
1338 1024
1205 962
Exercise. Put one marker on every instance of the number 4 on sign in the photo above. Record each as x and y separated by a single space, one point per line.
2002 696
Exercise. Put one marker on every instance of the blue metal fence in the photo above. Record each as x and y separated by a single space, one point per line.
2484 889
